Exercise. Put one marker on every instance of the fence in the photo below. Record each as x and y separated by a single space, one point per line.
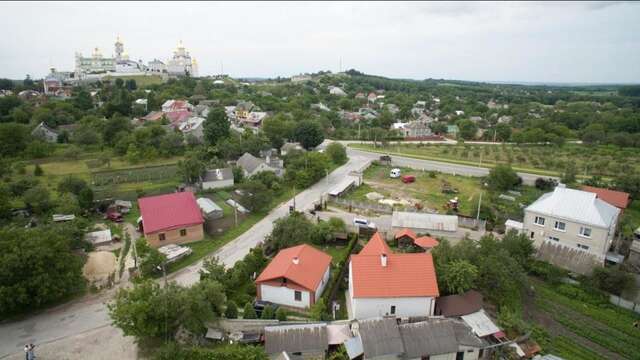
629 305
352 204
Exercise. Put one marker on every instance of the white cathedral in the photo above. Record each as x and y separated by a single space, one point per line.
96 66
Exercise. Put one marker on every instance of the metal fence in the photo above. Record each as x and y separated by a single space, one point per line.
629 305
352 204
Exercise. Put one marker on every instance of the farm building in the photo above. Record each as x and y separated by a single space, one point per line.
171 219
308 340
383 283
217 178
421 223
101 237
295 277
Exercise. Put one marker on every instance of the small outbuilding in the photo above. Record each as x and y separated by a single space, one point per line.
217 178
210 210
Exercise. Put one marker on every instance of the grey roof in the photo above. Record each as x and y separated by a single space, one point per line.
424 221
43 126
436 337
380 337
576 205
296 338
249 162
218 174
244 106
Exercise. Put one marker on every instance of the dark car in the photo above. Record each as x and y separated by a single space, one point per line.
259 305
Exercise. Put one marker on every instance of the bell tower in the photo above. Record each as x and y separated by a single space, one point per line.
119 48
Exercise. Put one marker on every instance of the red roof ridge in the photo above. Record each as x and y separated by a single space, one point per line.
619 199
406 232
312 266
426 242
376 246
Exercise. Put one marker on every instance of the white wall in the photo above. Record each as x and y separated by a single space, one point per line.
323 283
473 355
598 243
217 184
364 308
284 296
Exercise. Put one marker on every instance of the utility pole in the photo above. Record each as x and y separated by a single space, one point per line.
359 131
479 205
163 266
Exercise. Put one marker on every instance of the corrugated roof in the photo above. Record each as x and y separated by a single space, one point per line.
249 162
480 323
424 221
618 199
218 174
207 205
428 338
380 337
296 338
169 211
576 205
311 266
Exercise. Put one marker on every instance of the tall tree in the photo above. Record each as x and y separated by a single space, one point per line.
216 127
309 134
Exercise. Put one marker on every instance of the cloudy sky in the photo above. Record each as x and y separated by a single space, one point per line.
539 42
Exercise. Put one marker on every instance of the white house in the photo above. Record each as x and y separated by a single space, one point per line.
295 277
382 283
217 178
571 228
334 90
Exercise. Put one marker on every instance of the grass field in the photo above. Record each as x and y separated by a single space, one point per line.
426 190
605 161
586 315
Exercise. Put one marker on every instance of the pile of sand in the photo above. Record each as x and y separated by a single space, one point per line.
99 265
374 196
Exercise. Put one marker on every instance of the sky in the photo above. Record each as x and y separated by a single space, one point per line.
574 42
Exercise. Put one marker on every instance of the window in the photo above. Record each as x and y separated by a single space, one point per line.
539 221
162 237
532 234
460 355
583 247
183 232
560 226
393 309
585 231
297 296
553 238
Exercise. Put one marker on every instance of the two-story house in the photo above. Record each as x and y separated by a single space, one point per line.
571 228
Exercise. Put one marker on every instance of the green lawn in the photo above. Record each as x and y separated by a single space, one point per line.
607 161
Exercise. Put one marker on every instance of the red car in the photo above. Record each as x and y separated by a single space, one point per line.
408 179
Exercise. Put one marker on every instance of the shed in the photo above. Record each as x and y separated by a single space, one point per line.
380 337
97 238
305 339
174 252
513 225
423 222
217 178
480 323
459 305
210 209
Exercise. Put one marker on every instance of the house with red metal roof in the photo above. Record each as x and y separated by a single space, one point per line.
618 199
295 277
383 283
171 219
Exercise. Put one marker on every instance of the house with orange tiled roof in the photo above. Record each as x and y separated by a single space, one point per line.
619 199
295 277
384 283
407 237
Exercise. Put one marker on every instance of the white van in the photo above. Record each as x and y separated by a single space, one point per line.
359 222
395 173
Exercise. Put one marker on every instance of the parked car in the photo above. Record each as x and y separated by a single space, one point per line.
359 222
395 173
408 179
259 306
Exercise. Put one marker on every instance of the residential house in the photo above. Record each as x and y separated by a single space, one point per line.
210 210
372 97
290 146
178 117
306 341
216 179
349 116
421 223
571 228
320 106
43 132
171 219
421 104
252 165
459 112
416 129
383 283
254 119
392 108
619 199
176 105
295 277
153 116
416 112
334 90
193 127
243 109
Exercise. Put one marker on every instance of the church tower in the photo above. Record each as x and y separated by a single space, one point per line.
119 48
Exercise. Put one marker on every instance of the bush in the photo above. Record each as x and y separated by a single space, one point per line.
612 280
281 314
249 311
38 171
547 272
268 313
232 310
337 153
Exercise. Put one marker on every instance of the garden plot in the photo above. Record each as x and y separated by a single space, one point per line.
430 192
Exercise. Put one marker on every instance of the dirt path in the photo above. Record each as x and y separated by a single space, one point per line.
533 314
129 260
